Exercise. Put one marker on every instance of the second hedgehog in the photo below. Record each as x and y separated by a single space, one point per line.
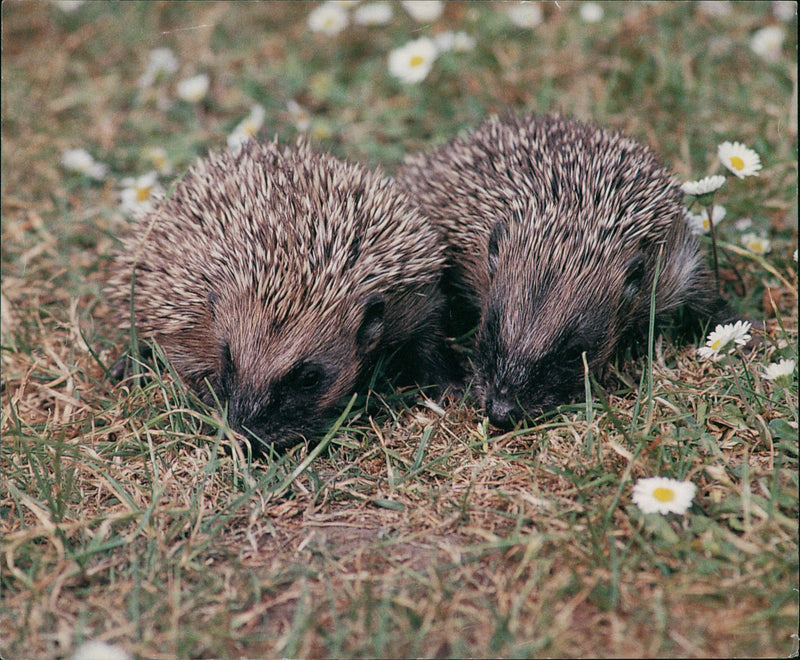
274 277
555 229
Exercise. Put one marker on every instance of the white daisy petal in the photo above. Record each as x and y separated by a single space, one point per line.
459 42
248 127
159 158
97 650
784 10
81 161
412 63
77 160
591 12
739 159
162 62
756 243
193 89
68 6
780 369
724 338
663 495
423 11
704 186
299 115
139 195
329 18
708 353
767 42
525 14
699 223
374 13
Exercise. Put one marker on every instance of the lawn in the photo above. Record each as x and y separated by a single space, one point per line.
412 528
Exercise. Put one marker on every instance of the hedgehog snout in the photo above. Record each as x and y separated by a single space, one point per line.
502 409
244 409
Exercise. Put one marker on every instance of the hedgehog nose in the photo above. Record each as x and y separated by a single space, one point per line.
243 412
502 412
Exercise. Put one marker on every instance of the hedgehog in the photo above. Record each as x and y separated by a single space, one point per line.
275 277
556 230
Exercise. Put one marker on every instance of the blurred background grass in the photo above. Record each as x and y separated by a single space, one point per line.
418 535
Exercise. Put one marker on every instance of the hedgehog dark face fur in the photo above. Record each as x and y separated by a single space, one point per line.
274 277
555 228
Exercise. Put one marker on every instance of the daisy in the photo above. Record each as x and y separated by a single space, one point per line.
423 11
68 6
374 13
77 160
459 42
784 10
780 369
703 186
412 63
81 161
699 222
768 42
193 89
525 14
139 194
97 650
162 62
159 159
739 159
248 127
663 495
299 115
591 12
756 243
721 338
329 18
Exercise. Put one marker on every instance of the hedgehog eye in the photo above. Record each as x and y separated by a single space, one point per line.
573 348
307 377
573 353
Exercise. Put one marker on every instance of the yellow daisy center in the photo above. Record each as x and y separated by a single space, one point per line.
416 60
737 162
664 494
159 160
143 193
716 345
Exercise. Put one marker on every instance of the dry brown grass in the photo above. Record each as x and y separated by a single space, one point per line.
417 532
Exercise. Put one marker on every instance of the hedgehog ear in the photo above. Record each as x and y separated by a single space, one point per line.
498 233
371 328
634 280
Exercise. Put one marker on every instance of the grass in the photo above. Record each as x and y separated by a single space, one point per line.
413 529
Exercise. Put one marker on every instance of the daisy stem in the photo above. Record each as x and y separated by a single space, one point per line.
736 272
742 396
710 210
